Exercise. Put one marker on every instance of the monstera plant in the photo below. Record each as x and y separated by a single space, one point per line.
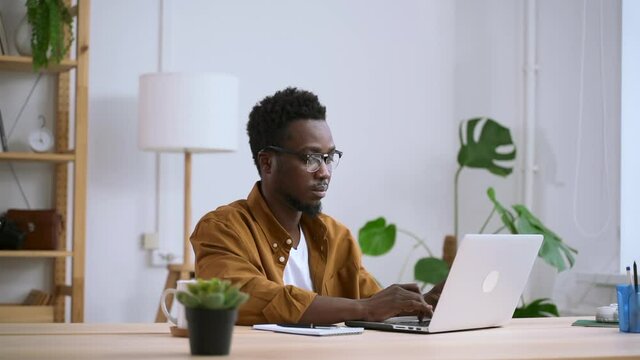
490 150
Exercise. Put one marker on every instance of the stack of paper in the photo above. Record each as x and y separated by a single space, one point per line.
310 329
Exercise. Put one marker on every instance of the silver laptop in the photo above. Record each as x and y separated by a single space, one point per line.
482 290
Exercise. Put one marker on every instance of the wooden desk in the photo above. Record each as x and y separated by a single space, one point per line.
521 339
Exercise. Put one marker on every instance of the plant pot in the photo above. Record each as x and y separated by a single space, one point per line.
23 37
210 330
449 249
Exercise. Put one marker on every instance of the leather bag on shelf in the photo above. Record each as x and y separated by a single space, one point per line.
42 228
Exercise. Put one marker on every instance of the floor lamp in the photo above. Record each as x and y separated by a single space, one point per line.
187 113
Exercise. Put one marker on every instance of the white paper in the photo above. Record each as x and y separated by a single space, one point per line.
319 331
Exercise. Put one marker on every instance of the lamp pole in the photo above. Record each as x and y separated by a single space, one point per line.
187 211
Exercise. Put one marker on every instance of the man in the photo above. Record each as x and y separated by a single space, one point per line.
297 264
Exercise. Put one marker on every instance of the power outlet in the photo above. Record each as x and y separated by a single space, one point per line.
150 241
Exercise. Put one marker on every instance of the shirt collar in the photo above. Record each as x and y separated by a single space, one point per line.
315 227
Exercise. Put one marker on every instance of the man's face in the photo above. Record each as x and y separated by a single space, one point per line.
301 189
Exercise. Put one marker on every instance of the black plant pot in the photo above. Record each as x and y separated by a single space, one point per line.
210 330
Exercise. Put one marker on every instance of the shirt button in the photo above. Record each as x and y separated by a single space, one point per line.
275 245
289 241
281 259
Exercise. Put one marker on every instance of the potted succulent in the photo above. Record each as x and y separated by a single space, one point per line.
50 24
377 237
211 307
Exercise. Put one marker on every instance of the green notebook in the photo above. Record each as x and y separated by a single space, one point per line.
593 323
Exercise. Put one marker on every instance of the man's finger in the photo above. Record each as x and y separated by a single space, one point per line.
413 287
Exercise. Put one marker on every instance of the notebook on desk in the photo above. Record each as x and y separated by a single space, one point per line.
310 330
482 290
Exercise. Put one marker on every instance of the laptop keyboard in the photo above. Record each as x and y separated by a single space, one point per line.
411 323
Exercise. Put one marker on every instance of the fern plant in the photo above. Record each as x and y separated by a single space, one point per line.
50 20
213 294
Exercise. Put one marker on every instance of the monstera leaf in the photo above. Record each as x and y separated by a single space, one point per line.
505 215
376 237
537 308
431 270
553 250
488 148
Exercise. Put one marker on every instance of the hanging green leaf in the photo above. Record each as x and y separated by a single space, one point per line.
505 215
537 308
431 270
49 20
376 237
489 148
553 251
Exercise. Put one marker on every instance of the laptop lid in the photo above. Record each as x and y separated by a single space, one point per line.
484 284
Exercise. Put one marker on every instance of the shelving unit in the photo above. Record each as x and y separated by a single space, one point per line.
74 211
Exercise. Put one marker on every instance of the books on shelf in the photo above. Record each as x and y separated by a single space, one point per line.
38 298
4 146
4 45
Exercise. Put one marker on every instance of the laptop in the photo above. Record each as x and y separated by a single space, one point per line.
482 290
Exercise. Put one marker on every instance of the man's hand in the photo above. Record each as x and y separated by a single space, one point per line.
394 300
433 295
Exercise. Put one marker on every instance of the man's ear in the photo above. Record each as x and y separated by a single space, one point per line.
265 160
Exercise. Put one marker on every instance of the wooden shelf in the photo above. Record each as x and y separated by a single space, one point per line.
35 253
29 156
70 111
24 64
12 313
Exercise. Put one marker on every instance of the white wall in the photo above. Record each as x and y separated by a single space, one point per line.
578 146
576 189
630 147
396 78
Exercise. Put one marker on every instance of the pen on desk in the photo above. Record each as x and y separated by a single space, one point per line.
629 276
635 276
308 326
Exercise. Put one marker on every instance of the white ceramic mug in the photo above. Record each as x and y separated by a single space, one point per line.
180 320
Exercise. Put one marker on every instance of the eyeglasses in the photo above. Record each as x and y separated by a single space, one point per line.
313 161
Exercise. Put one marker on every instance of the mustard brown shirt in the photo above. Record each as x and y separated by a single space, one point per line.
244 243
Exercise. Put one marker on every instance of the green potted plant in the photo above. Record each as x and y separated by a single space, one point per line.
211 307
51 34
377 237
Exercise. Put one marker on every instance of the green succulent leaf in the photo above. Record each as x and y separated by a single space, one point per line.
212 294
505 215
489 148
537 308
187 299
431 270
553 251
213 301
376 237
234 298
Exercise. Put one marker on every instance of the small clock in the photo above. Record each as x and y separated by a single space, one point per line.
41 140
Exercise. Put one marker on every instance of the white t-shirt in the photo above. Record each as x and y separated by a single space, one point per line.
296 272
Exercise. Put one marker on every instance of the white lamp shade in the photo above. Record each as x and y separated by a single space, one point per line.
188 112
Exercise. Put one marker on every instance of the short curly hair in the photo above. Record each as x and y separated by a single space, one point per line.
270 117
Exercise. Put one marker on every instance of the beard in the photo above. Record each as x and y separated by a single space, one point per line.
309 209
